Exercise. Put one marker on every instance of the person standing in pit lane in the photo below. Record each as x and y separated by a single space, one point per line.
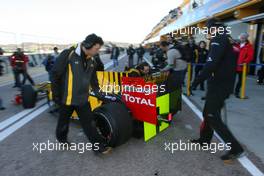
219 71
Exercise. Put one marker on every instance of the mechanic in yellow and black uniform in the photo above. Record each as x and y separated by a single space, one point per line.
141 70
74 72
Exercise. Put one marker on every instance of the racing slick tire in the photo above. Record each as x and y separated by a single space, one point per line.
114 123
29 96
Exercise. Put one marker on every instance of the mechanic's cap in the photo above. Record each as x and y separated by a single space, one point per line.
213 22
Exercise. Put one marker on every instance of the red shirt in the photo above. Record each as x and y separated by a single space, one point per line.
246 55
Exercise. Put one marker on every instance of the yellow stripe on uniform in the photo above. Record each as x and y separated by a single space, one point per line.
69 95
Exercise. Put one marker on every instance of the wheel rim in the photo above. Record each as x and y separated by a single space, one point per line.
103 126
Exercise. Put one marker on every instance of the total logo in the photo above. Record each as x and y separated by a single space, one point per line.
138 100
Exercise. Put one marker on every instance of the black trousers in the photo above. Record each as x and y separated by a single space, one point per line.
140 58
239 82
199 68
175 80
130 61
261 75
213 122
27 77
85 115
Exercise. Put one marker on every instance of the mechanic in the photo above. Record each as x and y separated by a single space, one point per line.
219 71
73 73
176 66
141 70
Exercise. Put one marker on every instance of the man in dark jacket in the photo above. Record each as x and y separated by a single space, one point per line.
114 55
19 63
201 59
140 54
219 70
99 63
73 73
130 52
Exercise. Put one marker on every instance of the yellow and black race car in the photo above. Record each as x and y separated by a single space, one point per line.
132 106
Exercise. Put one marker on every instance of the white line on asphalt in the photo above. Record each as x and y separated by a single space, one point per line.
4 134
244 161
6 83
18 116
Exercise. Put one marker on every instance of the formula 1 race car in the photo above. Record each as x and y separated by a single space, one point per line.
132 106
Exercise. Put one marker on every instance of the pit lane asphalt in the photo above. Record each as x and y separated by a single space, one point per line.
133 158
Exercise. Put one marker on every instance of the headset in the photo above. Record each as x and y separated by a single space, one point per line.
87 45
90 41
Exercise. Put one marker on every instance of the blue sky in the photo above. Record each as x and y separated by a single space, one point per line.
71 20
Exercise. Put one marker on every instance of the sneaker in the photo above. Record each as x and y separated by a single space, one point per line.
103 150
231 155
237 95
106 150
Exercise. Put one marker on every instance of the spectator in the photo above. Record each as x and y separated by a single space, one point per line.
261 71
201 59
1 105
130 52
245 56
1 66
1 102
56 52
49 63
190 52
114 55
140 53
19 63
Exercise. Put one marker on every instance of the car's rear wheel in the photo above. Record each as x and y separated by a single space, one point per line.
29 96
113 123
